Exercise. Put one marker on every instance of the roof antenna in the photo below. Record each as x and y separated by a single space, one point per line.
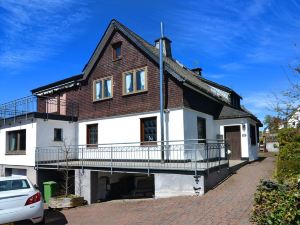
161 69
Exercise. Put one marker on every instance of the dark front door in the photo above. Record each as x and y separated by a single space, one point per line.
233 137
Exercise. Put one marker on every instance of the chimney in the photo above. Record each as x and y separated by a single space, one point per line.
166 46
197 71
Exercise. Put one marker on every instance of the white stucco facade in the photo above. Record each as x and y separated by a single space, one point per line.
126 129
39 133
247 150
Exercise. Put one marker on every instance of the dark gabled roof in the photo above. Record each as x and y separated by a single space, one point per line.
232 113
178 71
58 83
173 67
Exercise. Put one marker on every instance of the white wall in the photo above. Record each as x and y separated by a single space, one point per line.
190 125
45 132
248 150
253 149
127 128
25 160
39 133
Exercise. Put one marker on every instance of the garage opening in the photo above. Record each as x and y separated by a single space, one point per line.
57 176
106 186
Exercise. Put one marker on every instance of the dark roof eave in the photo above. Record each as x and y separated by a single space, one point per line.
240 117
57 83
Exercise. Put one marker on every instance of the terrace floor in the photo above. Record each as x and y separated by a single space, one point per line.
144 167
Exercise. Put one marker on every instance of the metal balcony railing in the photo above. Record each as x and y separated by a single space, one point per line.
186 155
31 104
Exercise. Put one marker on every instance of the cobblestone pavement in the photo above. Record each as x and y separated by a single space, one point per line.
229 203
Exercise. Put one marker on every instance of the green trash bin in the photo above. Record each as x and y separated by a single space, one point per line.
49 190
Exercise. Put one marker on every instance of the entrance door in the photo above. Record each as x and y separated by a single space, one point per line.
233 137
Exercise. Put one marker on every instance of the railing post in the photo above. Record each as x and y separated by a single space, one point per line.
148 161
4 114
226 152
37 158
219 149
26 108
195 150
15 111
81 159
111 159
57 158
207 159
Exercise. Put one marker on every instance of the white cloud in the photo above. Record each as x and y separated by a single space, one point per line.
260 31
233 66
259 103
32 29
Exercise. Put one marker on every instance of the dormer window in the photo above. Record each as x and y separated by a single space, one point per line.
116 48
235 101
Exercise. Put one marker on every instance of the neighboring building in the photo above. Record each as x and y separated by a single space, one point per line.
109 117
294 119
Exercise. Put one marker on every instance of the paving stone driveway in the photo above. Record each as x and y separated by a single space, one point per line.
229 203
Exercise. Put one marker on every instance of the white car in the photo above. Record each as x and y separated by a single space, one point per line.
20 200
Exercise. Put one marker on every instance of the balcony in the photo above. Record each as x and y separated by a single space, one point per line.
186 157
37 107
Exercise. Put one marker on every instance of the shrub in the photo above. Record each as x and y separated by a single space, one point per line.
276 204
288 162
290 151
288 135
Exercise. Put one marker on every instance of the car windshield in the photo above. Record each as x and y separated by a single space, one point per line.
9 185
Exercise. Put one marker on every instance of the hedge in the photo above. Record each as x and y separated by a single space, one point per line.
288 162
276 204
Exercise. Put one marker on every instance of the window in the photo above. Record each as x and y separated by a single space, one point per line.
92 135
148 130
103 89
135 81
16 141
58 134
51 104
252 135
201 127
116 48
9 185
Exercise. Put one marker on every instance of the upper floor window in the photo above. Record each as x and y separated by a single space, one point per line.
103 89
58 134
16 141
135 81
201 128
116 50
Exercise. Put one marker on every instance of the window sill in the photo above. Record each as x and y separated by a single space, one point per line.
58 140
149 143
91 146
103 99
134 93
16 153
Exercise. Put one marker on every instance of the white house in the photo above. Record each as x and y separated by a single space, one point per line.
107 118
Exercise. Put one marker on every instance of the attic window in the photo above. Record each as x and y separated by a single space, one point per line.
116 48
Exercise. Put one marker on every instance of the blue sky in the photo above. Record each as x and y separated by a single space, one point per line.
249 46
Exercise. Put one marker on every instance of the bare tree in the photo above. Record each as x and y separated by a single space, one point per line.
287 102
66 151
